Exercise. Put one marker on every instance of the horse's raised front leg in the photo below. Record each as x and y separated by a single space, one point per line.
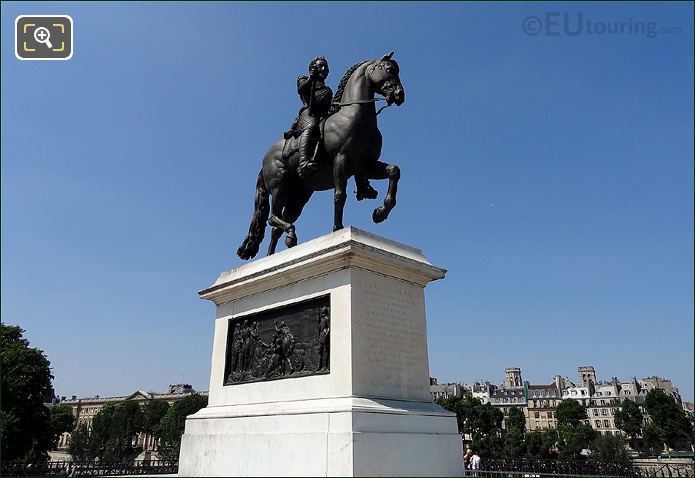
381 170
340 192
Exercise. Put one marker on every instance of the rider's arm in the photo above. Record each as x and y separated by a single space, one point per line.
304 86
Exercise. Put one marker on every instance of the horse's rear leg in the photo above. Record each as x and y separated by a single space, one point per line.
274 237
293 210
381 170
279 200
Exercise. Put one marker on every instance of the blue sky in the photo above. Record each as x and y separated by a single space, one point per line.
551 175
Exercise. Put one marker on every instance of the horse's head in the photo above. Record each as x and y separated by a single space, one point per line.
383 74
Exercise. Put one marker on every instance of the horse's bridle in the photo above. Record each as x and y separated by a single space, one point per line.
362 102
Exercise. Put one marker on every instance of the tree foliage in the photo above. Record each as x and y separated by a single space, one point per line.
514 434
62 420
126 423
78 447
542 444
483 422
25 386
114 429
669 420
628 418
152 413
173 423
610 449
516 419
570 413
100 432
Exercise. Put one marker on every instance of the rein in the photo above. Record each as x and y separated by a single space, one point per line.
362 102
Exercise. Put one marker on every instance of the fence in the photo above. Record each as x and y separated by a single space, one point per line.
91 468
531 468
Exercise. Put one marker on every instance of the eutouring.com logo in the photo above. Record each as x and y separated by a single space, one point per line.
554 24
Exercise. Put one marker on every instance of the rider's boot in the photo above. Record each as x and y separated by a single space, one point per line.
365 190
307 161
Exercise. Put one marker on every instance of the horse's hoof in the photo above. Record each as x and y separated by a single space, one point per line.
379 214
338 227
290 241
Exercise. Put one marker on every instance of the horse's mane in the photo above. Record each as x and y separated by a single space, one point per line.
341 86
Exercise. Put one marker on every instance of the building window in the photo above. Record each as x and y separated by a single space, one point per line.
598 423
606 424
550 414
596 412
538 424
537 414
604 412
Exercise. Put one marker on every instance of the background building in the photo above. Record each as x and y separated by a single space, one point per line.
84 409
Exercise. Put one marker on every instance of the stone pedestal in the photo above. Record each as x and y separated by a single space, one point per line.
371 414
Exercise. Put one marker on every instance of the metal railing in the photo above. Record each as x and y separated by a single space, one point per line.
535 468
91 468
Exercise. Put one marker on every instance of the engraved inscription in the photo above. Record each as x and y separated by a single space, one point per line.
392 335
289 341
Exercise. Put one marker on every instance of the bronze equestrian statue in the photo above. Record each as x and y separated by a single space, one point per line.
347 143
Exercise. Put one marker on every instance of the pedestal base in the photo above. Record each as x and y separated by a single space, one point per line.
275 408
327 437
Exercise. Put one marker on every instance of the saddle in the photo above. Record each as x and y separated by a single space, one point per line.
291 145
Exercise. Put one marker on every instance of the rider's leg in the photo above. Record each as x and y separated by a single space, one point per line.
307 146
364 189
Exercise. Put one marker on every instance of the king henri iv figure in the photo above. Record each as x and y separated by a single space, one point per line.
317 99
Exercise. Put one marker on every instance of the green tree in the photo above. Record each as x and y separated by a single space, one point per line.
62 420
173 423
628 418
114 429
482 422
101 432
542 444
126 423
573 433
516 419
609 449
570 413
514 445
152 414
652 437
670 420
78 447
25 385
575 439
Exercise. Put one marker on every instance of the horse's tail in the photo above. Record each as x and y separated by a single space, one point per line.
249 248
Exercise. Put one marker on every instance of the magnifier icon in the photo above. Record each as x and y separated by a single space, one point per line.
42 35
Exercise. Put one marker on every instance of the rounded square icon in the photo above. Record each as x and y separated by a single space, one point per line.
43 37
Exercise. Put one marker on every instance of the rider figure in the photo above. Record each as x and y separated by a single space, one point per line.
317 98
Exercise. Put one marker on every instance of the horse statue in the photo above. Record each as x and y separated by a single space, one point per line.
350 145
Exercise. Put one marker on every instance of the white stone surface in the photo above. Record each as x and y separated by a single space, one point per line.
372 414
